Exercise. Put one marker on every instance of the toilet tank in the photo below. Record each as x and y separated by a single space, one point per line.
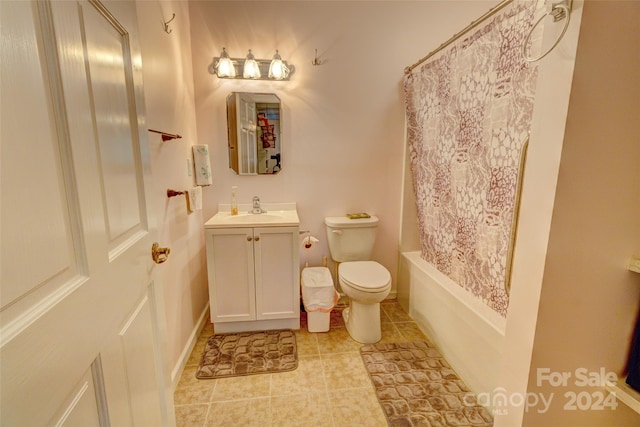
351 239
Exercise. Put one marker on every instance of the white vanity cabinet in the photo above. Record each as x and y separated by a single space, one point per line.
253 277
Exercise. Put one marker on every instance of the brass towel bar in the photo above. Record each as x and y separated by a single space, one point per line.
166 136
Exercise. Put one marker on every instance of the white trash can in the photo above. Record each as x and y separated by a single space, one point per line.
319 297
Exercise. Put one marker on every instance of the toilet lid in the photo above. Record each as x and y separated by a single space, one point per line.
364 275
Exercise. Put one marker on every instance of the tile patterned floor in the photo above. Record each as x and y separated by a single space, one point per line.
330 387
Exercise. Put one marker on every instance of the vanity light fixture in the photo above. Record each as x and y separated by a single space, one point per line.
251 68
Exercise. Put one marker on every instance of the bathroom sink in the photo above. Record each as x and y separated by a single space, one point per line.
249 218
277 215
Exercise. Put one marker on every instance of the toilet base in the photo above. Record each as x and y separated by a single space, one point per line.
363 322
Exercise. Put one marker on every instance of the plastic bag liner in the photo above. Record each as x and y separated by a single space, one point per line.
318 293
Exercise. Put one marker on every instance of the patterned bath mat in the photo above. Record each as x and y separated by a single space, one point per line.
417 387
248 353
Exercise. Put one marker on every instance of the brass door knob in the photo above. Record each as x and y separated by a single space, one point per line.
159 254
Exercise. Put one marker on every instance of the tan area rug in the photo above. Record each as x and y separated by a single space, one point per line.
248 353
417 387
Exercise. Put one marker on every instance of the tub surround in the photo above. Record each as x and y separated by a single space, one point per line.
468 333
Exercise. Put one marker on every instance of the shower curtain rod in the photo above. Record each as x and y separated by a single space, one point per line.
456 36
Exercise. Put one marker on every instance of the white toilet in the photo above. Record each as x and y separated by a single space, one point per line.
365 282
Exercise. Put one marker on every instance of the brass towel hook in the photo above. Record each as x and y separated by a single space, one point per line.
316 61
166 24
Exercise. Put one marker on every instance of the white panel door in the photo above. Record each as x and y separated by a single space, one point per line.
76 290
81 407
247 144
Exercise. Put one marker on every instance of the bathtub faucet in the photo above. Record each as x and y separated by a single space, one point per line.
256 206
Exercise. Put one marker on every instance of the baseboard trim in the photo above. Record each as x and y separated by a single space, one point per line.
188 348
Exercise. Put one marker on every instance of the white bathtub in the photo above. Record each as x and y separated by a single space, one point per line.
466 331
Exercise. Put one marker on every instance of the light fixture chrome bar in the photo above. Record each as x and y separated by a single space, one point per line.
263 64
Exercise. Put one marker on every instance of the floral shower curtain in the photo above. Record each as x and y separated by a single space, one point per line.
469 110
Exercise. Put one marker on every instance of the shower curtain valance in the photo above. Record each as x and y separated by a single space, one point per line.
469 107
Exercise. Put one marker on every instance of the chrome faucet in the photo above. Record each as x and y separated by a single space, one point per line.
256 206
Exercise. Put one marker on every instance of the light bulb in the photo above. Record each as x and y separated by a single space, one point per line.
225 67
278 70
251 68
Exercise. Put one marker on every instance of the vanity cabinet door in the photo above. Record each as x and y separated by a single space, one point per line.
277 272
231 274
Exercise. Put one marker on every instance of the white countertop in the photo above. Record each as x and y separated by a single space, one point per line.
276 215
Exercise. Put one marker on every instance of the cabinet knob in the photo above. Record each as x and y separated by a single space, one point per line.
257 238
249 238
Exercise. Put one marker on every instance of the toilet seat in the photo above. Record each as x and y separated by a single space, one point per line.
365 276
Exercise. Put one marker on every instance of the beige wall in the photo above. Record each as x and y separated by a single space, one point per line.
168 81
589 300
343 122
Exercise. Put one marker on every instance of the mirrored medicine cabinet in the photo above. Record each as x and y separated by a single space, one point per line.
253 127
